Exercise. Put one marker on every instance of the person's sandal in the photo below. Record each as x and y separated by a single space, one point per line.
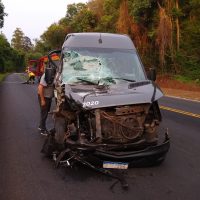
44 132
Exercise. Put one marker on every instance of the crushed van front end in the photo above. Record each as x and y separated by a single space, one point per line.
107 109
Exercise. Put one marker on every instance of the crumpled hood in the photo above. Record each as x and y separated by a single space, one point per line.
90 97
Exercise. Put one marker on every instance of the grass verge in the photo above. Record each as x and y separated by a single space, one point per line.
2 76
180 83
184 79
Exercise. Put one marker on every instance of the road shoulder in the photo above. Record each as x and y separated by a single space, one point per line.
183 94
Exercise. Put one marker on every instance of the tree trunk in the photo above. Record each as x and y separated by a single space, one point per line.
177 29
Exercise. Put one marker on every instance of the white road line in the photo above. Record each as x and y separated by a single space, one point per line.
194 100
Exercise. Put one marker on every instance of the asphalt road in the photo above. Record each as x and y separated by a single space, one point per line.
26 175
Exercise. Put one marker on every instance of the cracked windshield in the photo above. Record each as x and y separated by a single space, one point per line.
101 66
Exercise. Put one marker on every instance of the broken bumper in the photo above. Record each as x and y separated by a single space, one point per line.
150 156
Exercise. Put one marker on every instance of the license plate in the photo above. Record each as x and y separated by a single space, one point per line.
115 165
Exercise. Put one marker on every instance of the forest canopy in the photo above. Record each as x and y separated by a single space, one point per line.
165 32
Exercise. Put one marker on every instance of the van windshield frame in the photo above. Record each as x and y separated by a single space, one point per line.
101 65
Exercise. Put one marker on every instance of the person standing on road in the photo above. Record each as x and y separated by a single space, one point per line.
45 95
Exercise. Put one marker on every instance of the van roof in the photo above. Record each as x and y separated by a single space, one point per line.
98 40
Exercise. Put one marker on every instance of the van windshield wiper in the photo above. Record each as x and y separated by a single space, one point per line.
125 79
87 81
111 79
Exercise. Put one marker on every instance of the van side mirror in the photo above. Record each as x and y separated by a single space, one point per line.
53 56
50 70
49 75
152 74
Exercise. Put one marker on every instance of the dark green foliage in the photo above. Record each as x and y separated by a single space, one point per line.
42 46
53 37
74 9
20 42
107 24
108 20
10 59
188 58
143 25
34 56
84 21
140 9
2 14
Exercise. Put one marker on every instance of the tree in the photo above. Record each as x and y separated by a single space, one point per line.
17 39
164 35
20 42
2 14
4 48
41 46
27 44
10 59
123 23
74 9
107 22
54 36
96 6
165 32
84 21
177 27
142 10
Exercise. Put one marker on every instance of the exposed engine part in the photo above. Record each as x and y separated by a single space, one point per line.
123 124
91 129
121 128
98 123
152 121
60 97
127 110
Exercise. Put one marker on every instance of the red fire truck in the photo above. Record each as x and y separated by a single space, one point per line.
36 67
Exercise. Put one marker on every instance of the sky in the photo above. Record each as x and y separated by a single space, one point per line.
33 17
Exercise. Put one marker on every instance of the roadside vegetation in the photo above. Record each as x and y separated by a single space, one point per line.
165 32
178 82
2 76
